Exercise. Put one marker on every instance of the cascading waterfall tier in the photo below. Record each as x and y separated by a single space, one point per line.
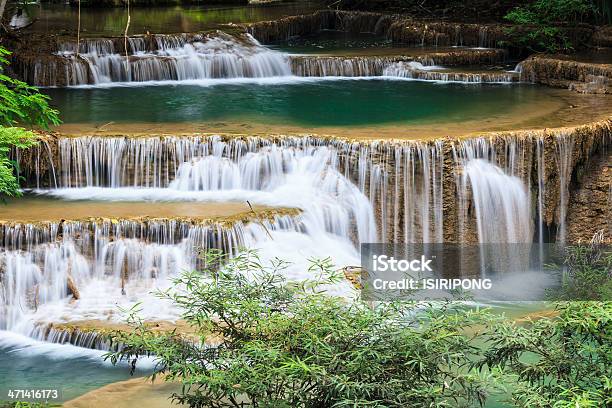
225 58
224 234
43 263
413 185
174 58
347 192
414 66
338 20
400 29
415 70
583 77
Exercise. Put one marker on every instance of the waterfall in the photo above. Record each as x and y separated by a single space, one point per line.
343 192
500 202
173 58
565 147
541 192
416 70
408 184
105 259
323 66
120 261
155 59
60 334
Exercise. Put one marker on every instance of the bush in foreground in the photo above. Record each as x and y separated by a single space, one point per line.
282 344
559 362
261 341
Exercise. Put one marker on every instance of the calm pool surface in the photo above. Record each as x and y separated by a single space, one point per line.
25 363
313 103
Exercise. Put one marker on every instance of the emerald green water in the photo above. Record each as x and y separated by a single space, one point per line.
313 104
26 364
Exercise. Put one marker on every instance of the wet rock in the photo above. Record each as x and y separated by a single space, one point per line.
72 288
590 206
602 36
562 72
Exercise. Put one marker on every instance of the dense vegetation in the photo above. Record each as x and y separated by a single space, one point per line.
588 273
291 345
548 21
283 344
559 362
20 103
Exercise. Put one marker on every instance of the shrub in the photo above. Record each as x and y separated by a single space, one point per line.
588 274
284 344
544 18
558 362
20 103
10 138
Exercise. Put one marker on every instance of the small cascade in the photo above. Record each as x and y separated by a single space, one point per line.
541 179
167 58
583 77
399 29
493 190
323 66
564 157
444 34
65 334
416 70
338 20
501 203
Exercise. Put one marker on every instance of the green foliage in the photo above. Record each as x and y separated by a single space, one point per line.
565 361
543 18
11 137
19 103
588 275
22 103
561 362
284 344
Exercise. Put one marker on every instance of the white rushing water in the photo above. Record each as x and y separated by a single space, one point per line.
348 193
206 60
416 70
501 203
120 272
174 58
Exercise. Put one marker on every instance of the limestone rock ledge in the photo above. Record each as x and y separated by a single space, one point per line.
560 72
